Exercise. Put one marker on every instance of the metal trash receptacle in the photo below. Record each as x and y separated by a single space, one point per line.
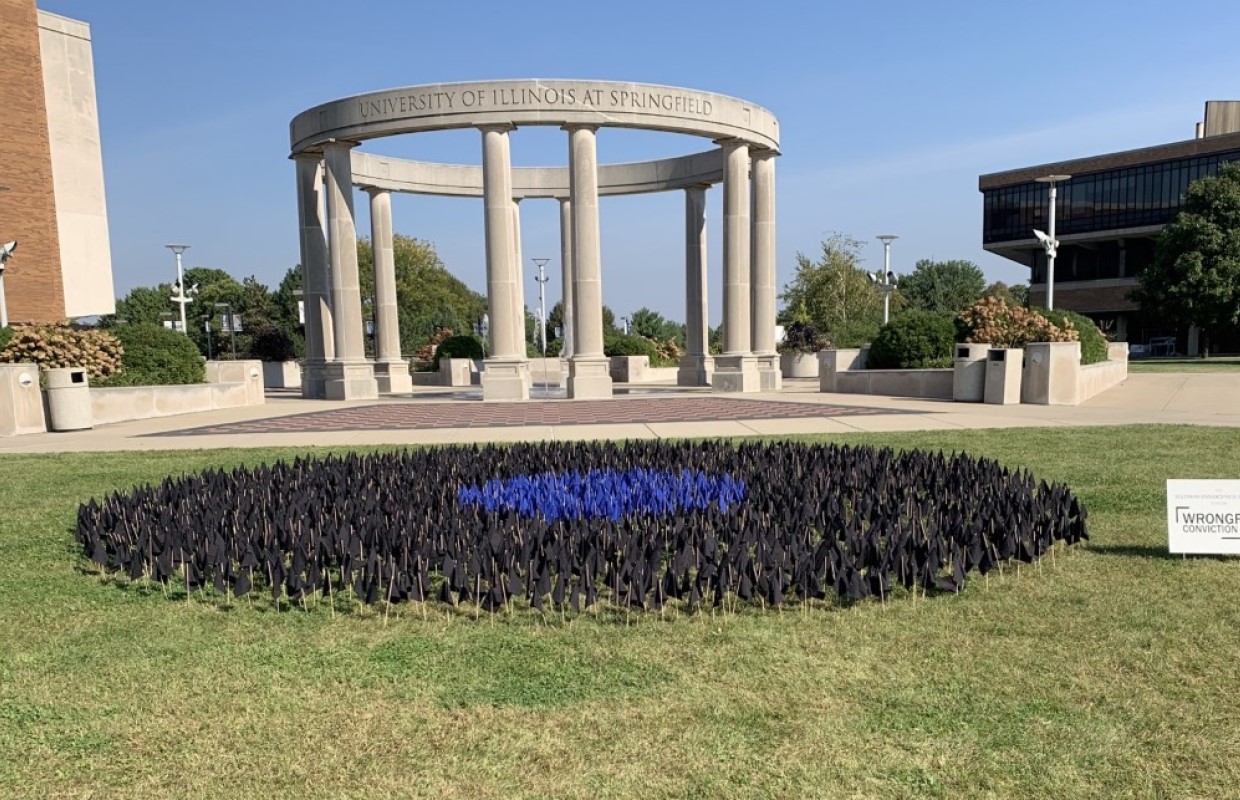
68 399
969 377
1003 372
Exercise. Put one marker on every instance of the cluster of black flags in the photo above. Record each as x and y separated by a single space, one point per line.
795 521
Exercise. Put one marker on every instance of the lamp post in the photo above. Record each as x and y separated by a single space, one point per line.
542 279
6 252
1048 240
230 326
888 283
178 293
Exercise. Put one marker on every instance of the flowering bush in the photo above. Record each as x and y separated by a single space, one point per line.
59 346
990 320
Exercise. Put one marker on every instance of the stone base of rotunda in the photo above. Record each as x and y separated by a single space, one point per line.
736 374
505 379
589 378
770 379
393 377
313 380
695 370
349 380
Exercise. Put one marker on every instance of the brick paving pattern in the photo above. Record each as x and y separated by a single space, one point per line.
406 416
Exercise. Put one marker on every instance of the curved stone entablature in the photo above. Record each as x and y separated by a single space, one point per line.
372 171
444 106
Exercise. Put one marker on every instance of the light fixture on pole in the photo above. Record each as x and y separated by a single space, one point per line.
484 330
542 279
179 295
887 280
1048 240
6 252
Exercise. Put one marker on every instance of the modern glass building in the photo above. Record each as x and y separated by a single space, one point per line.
1108 217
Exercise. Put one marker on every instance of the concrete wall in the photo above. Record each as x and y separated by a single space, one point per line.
1097 378
281 375
927 383
77 166
143 402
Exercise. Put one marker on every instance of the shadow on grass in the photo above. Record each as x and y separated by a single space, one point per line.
1146 551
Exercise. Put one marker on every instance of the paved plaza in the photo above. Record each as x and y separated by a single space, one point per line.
436 416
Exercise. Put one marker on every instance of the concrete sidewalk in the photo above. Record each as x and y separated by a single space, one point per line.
1163 398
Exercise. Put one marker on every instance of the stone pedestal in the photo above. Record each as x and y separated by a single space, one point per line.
313 380
770 378
349 380
457 371
21 402
832 362
392 377
505 379
1051 373
629 369
736 374
589 378
695 370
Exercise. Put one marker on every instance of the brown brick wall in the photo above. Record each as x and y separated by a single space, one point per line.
32 279
1086 299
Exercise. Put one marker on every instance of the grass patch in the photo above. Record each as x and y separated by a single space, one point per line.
1107 672
1188 365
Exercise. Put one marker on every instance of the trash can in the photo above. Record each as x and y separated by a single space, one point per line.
1003 368
969 380
68 399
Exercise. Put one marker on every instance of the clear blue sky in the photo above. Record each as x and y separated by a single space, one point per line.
889 111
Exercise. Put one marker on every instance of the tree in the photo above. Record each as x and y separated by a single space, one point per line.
1015 295
943 287
835 293
654 326
1195 276
428 297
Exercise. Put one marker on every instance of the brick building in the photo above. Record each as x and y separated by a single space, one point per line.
1108 218
52 165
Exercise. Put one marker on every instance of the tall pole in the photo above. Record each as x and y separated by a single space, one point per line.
542 279
181 298
1050 257
887 239
1050 243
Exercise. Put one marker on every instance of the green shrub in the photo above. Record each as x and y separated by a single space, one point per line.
6 333
853 334
59 346
1093 343
554 348
270 343
156 356
458 347
621 344
914 340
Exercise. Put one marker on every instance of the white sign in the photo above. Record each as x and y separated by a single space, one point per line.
1203 517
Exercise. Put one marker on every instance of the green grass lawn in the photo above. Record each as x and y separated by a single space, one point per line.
1190 365
1110 672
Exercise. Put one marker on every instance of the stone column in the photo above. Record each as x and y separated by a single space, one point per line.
504 377
518 300
315 278
762 271
391 370
696 365
737 369
566 275
349 376
589 375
